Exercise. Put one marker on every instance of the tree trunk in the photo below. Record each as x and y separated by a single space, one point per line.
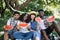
2 10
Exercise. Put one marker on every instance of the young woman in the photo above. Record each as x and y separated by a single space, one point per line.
34 26
37 26
24 28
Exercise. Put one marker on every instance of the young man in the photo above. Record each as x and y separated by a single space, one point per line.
48 29
13 22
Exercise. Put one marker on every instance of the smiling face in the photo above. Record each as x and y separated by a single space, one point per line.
32 17
16 16
41 13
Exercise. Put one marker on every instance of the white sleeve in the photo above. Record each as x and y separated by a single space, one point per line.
42 26
18 23
8 22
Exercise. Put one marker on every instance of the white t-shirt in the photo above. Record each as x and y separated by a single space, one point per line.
23 29
42 26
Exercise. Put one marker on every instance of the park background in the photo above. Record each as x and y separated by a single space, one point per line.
7 7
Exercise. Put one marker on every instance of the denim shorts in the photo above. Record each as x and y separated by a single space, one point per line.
11 32
20 35
37 34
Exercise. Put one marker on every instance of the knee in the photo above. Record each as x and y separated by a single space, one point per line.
37 38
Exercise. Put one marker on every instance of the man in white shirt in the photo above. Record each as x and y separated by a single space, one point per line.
13 22
42 29
49 28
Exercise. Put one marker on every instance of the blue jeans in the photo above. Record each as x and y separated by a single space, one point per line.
25 36
12 31
38 34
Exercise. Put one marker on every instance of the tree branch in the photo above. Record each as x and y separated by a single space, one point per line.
17 7
23 5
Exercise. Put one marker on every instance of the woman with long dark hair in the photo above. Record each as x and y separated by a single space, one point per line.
34 26
24 28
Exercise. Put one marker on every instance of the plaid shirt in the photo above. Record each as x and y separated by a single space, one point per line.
13 23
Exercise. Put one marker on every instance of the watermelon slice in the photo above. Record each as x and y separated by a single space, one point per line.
23 24
8 27
51 19
38 19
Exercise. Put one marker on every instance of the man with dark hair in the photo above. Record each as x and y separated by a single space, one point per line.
13 22
16 13
49 28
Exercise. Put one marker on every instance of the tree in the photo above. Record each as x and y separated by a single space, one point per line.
28 5
10 4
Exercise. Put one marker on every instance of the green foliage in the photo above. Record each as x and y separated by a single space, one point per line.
33 5
48 13
1 37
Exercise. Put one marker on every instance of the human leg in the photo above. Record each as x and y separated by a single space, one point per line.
6 35
28 35
55 26
18 35
37 35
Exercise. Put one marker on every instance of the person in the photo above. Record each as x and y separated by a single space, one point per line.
49 28
13 22
34 26
24 32
37 27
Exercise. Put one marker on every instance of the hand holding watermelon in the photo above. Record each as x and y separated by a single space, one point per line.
51 19
8 27
23 25
38 19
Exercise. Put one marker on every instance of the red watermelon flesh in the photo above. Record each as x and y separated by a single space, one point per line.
51 19
23 24
38 19
8 27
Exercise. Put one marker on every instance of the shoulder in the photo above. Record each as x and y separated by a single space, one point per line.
11 18
19 22
34 22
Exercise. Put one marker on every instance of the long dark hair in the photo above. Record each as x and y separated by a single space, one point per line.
22 18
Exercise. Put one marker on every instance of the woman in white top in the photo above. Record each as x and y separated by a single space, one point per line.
24 28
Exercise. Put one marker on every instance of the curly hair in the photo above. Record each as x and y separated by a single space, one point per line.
22 18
